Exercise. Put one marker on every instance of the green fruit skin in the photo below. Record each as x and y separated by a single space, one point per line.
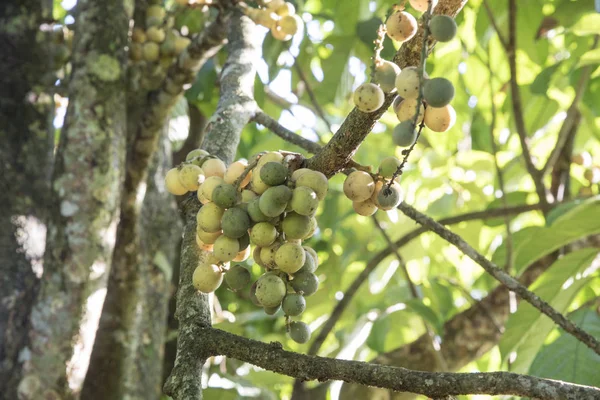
254 211
388 167
290 257
296 226
438 92
309 265
196 153
253 297
263 234
404 134
272 310
274 200
273 173
244 241
385 75
235 223
299 332
270 290
305 282
237 277
209 218
389 198
304 201
314 180
443 28
293 304
224 195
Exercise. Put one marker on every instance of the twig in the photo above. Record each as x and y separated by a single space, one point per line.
490 14
311 95
501 276
378 42
264 119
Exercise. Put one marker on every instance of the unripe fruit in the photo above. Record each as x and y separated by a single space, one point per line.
396 104
285 9
258 185
290 257
368 97
407 110
388 166
248 195
314 255
289 24
265 18
234 171
310 263
138 35
305 282
173 184
269 156
385 74
226 248
389 198
313 225
315 181
263 234
364 208
271 310
157 35
253 298
404 134
274 200
304 201
274 4
214 167
401 26
293 304
270 290
359 186
440 119
297 173
209 185
202 245
438 92
207 237
407 83
267 255
209 217
151 51
237 277
299 332
136 52
196 153
421 5
181 43
443 28
256 256
235 223
296 226
279 34
244 241
207 277
224 195
155 11
191 176
273 173
242 255
255 213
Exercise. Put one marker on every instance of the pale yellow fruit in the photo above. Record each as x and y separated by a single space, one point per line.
368 97
234 171
285 9
138 35
226 248
209 218
181 43
214 167
155 11
290 257
157 35
207 277
274 4
207 237
258 186
296 174
173 184
407 110
364 208
151 51
202 245
279 33
270 156
266 18
208 186
440 119
401 26
201 197
314 180
289 24
359 186
407 83
421 5
378 186
191 176
243 255
267 255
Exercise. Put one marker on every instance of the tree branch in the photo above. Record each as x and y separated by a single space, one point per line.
490 14
501 276
265 119
273 358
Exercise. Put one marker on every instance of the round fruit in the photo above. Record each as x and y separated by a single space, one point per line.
279 34
305 282
299 332
273 4
155 34
359 186
272 310
263 234
443 28
304 201
138 35
297 173
407 83
235 223
207 277
151 51
244 241
265 18
190 176
155 11
202 245
273 173
440 119
314 180
268 157
226 248
293 304
224 195
196 153
314 255
173 184
248 195
388 167
289 24
364 208
592 175
368 97
396 104
270 290
207 237
274 200
258 185
267 255
404 134
290 257
256 256
242 255
214 167
310 265
421 5
401 26
385 74
389 198
285 9
209 218
237 277
407 110
234 171
254 211
135 52
296 226
181 43
209 185
312 228
253 298
438 92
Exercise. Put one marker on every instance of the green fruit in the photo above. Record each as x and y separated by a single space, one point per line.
207 237
315 181
254 211
359 186
208 187
270 290
312 227
293 304
388 167
237 277
299 332
225 248
209 217
274 200
272 310
267 255
196 153
189 176
442 27
273 173
253 298
368 97
224 195
244 241
310 263
263 234
256 256
438 92
404 134
151 51
290 257
270 156
385 75
258 185
207 277
235 223
305 282
296 226
389 198
304 201
248 195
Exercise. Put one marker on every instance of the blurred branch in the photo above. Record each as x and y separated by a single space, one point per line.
195 134
311 96
490 14
264 119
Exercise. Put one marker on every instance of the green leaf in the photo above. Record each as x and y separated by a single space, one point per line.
591 57
427 314
512 199
376 339
542 81
588 24
567 359
527 329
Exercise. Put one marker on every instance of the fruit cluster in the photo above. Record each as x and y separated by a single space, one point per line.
158 42
263 204
370 192
277 15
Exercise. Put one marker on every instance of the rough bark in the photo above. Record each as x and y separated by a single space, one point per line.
85 193
26 134
235 109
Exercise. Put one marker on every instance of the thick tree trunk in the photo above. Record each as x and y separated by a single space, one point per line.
85 189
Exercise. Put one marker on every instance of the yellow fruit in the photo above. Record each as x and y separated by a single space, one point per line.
155 34
214 167
263 234
296 174
440 119
226 248
289 24
270 290
258 185
136 52
151 51
191 176
364 208
181 43
234 171
314 180
248 195
207 277
202 245
407 110
173 184
368 97
155 11
359 186
407 83
421 5
208 186
267 255
279 34
265 18
138 35
207 237
209 218
290 257
401 26
285 9
242 255
270 156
